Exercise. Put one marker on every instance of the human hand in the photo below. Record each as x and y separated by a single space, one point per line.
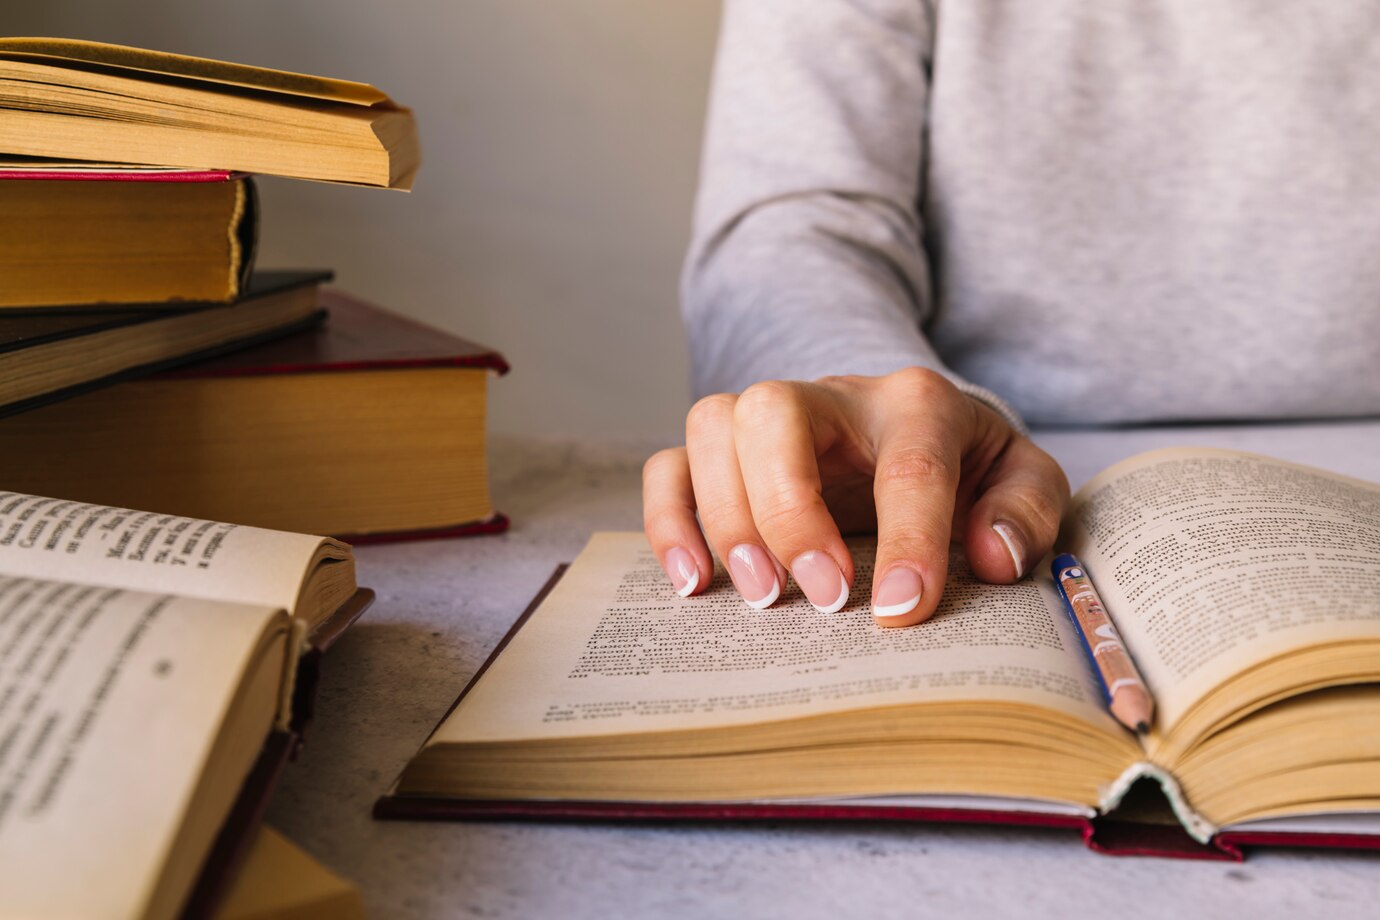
780 471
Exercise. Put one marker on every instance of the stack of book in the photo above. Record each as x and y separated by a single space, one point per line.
147 364
157 667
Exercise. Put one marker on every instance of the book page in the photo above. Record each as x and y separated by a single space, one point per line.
1211 561
613 650
143 550
109 703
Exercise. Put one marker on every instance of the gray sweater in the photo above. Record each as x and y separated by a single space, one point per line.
1101 210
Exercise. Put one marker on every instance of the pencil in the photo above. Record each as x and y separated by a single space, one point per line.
1127 696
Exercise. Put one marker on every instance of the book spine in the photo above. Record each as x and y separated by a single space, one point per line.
246 234
287 688
1198 827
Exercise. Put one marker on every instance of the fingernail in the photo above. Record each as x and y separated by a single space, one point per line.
898 594
1015 544
681 569
754 575
821 580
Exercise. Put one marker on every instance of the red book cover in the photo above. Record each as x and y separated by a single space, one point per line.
78 171
357 337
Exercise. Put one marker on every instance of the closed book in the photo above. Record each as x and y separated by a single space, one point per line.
113 237
255 436
83 100
49 356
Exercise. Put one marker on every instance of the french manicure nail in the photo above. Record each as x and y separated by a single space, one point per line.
1015 544
821 580
898 594
681 569
754 575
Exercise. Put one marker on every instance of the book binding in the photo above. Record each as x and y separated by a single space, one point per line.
236 836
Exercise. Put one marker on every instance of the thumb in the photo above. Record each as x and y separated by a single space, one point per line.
1015 520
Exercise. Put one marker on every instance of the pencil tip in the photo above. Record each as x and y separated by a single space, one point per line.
1142 727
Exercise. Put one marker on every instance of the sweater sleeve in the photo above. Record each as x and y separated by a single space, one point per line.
807 257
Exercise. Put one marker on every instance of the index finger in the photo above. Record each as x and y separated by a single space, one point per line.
776 427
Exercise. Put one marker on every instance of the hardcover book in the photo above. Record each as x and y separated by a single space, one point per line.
254 436
1243 586
82 100
109 237
155 673
49 356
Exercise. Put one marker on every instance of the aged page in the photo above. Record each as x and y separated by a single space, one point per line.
612 649
142 550
1211 561
109 703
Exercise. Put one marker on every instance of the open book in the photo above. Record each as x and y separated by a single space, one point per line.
1245 587
145 659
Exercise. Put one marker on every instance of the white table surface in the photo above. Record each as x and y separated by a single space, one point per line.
442 605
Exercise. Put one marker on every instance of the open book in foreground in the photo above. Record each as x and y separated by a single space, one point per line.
1245 587
152 676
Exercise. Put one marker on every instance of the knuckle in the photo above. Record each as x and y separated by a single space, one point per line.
845 381
785 516
911 541
913 465
1039 508
762 400
921 385
709 413
661 462
722 521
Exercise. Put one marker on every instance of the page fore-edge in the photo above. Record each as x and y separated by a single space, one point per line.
236 836
281 281
1106 834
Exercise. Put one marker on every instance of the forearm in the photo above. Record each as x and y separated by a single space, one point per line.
808 255
792 298
804 288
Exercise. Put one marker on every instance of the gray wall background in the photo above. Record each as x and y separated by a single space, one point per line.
560 141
